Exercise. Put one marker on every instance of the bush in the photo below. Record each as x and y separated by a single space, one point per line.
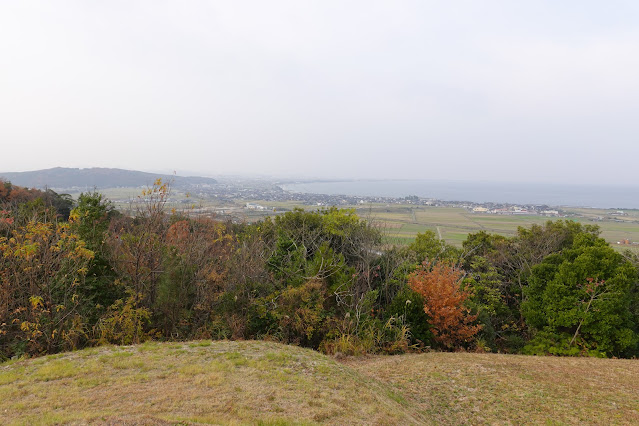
42 266
125 322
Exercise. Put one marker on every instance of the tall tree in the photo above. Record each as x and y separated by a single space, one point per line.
580 302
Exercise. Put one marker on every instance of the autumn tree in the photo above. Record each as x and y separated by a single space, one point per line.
42 266
48 202
172 265
194 264
136 244
451 322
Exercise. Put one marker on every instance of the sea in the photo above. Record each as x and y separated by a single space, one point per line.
594 196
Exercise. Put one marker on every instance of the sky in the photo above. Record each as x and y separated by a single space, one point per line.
516 91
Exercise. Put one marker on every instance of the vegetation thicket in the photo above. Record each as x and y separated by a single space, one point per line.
81 274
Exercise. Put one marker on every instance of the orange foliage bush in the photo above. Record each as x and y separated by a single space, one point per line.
440 285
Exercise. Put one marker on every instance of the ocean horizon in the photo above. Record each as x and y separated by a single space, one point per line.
568 195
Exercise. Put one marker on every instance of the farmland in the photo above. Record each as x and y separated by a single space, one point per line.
401 223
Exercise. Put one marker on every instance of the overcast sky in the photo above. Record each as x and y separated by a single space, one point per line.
531 91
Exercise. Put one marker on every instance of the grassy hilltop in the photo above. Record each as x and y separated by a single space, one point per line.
269 383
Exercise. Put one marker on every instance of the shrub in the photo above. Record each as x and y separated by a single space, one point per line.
125 322
42 265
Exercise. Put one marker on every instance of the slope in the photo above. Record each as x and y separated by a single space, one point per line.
197 382
270 383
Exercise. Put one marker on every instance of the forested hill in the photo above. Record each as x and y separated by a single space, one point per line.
96 177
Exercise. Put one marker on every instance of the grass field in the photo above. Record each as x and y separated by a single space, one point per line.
465 388
454 224
272 384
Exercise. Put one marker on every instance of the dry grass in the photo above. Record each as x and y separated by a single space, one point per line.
198 382
455 388
268 383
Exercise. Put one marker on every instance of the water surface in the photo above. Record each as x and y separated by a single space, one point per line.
482 192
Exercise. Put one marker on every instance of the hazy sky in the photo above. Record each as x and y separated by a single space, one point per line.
490 90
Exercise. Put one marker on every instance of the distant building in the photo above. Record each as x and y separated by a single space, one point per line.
251 206
480 210
500 211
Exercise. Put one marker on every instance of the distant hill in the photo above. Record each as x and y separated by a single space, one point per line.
69 178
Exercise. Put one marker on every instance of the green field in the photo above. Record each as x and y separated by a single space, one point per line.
401 223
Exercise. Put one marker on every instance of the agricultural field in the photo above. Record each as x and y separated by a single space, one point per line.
401 223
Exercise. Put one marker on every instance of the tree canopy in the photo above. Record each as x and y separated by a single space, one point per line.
84 274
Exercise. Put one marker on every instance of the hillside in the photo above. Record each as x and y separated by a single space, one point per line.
96 177
270 383
198 382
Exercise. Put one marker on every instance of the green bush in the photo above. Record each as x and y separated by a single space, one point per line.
585 292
